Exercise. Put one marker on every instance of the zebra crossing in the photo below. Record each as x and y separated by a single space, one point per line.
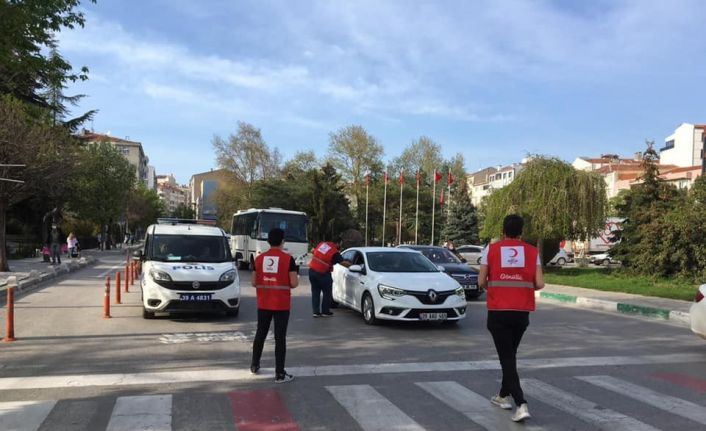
368 406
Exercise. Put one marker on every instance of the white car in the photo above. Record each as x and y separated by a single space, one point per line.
697 313
603 259
396 284
561 258
471 253
186 268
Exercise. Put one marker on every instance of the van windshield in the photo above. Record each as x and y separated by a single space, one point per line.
189 248
293 225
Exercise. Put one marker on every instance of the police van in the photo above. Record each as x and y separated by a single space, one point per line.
187 267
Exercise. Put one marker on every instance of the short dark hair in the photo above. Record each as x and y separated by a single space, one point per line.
512 226
275 237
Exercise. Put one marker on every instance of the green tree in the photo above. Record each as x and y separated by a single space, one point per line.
462 224
556 201
143 207
183 211
421 155
103 184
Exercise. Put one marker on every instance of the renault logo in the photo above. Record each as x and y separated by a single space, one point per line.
432 296
195 285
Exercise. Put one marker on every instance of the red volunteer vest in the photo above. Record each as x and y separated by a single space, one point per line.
322 257
512 265
272 280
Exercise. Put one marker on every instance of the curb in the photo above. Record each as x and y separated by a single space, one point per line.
34 278
679 317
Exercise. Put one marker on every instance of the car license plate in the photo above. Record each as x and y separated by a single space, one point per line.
471 287
196 297
432 316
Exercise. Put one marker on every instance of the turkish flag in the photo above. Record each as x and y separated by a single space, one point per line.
419 177
387 178
367 178
450 179
441 198
437 176
402 177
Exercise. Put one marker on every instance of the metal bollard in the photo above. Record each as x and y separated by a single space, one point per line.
127 278
106 299
117 288
10 318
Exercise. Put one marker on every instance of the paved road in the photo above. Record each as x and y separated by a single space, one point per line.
73 370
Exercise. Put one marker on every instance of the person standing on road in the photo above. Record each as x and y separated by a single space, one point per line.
274 277
56 239
510 271
325 256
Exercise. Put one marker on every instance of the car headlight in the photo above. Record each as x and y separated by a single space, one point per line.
459 291
159 275
229 276
389 292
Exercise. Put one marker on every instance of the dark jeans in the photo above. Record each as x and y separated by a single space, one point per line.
264 317
55 253
320 284
507 328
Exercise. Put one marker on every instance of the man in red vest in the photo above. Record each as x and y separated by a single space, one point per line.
325 256
274 277
510 271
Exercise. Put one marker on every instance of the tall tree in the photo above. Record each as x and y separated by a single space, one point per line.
423 154
556 201
462 224
353 151
59 103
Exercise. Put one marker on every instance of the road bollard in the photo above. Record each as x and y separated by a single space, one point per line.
106 299
117 287
127 278
10 317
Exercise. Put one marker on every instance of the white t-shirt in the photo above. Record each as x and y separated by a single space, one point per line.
484 257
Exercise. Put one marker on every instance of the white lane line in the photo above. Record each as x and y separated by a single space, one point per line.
24 415
583 409
667 403
111 271
372 411
144 413
234 374
475 407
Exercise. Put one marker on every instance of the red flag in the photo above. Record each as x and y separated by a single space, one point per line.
437 176
402 177
450 179
387 178
419 177
367 178
441 198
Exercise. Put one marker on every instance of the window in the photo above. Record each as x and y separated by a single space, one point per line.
189 248
385 261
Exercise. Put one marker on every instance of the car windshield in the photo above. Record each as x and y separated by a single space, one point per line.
440 255
190 248
293 225
382 261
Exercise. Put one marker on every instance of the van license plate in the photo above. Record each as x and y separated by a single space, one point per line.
197 297
471 287
432 316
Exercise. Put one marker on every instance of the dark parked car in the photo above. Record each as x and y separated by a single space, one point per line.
454 266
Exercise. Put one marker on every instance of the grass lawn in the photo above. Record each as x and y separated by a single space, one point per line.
616 280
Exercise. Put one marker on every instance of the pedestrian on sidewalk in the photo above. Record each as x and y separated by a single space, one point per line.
56 238
510 272
276 274
72 244
325 256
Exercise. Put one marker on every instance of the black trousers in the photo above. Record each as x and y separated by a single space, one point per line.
264 317
507 328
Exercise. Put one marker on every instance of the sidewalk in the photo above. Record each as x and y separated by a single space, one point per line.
616 302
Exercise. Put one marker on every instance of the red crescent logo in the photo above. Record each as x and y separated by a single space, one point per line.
513 252
270 262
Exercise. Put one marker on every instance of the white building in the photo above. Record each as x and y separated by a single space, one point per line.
151 177
483 182
171 193
683 147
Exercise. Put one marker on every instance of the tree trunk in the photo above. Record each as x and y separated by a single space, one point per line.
3 239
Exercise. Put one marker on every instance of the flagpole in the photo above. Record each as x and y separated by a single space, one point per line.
433 208
399 234
384 210
416 217
367 194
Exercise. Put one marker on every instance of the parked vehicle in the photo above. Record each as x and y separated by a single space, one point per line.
561 258
396 284
697 313
602 259
466 275
471 253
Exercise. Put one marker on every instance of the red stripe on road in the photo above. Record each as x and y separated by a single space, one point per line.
682 380
261 410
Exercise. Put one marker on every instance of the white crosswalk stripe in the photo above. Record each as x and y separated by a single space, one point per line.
664 402
371 410
24 415
475 407
144 413
583 409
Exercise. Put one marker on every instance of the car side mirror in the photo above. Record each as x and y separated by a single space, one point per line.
356 268
441 268
137 254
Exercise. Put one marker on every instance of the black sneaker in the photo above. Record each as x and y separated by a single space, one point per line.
329 314
283 378
317 314
254 369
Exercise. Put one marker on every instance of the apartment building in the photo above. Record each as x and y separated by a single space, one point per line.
131 150
171 193
483 182
202 188
684 147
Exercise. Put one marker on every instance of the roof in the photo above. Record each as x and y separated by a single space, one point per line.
681 169
270 210
482 175
607 160
379 249
186 229
98 137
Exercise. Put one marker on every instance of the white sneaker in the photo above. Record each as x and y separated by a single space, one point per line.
502 402
521 413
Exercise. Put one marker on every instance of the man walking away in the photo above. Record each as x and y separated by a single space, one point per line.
511 271
325 256
55 241
274 278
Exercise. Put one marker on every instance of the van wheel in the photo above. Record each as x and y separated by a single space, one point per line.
369 310
147 314
251 264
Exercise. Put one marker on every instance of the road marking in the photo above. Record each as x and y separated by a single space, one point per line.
586 410
667 403
475 407
24 415
690 382
210 337
145 413
261 410
111 271
234 374
372 411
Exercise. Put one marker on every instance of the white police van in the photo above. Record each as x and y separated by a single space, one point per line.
187 267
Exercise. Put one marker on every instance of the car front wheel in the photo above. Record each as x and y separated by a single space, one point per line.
561 261
369 310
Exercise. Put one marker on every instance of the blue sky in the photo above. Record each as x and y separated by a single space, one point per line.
493 80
